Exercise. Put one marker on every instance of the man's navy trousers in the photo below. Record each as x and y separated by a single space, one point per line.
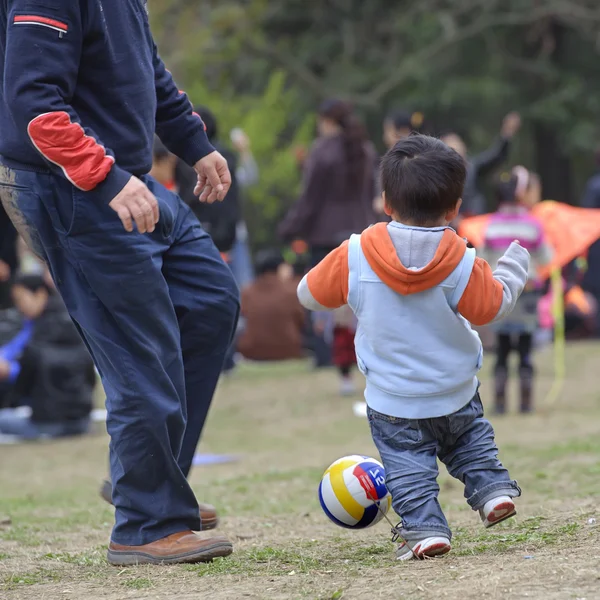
157 312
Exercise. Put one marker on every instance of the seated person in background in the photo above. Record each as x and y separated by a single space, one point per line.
48 365
274 319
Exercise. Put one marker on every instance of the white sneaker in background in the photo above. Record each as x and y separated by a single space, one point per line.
497 510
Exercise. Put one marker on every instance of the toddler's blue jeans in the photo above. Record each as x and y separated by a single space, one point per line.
409 449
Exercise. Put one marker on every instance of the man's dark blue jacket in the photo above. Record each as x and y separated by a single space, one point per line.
83 91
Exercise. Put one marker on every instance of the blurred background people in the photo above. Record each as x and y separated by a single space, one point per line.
516 191
591 279
396 126
247 175
338 183
8 257
482 165
400 124
338 187
46 367
273 319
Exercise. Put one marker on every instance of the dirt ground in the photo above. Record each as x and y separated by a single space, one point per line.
286 424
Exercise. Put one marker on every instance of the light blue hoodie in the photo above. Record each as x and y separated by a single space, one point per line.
413 290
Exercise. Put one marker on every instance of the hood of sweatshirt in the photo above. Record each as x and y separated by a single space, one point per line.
412 259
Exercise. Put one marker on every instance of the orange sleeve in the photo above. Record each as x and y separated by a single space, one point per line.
328 281
482 298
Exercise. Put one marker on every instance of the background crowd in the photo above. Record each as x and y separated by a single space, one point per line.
46 376
305 179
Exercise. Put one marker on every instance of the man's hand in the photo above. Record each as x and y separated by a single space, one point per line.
214 178
511 125
135 202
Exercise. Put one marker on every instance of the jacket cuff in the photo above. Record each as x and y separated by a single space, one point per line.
115 181
195 148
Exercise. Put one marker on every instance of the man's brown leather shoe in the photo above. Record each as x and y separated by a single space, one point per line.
182 547
208 514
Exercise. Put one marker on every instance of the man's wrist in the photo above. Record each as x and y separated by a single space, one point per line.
115 181
196 148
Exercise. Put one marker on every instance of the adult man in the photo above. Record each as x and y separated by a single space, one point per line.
82 93
591 199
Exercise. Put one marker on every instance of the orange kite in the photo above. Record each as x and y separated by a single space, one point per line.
568 229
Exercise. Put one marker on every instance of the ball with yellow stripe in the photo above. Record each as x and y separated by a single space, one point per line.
352 489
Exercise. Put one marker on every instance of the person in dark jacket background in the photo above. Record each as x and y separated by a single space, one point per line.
8 257
483 164
591 278
48 365
338 184
219 219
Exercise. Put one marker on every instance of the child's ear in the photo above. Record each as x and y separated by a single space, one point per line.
452 214
386 209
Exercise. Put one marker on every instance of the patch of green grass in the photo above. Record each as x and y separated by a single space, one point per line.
15 580
529 533
306 557
4 556
261 561
139 583
88 559
25 535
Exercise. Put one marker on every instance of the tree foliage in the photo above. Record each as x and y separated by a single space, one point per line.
265 64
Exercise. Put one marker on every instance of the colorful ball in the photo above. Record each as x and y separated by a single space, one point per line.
352 492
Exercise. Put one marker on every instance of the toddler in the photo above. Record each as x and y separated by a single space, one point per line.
415 287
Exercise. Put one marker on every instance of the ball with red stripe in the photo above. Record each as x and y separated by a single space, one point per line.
352 492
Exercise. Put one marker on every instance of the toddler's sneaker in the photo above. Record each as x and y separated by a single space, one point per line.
428 548
497 510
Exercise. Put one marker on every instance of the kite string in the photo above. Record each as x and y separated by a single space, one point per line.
558 312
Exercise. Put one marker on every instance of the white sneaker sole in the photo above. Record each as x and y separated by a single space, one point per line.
436 547
500 512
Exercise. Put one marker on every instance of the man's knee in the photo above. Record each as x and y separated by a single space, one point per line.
208 325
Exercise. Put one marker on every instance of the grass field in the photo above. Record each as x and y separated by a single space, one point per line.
287 425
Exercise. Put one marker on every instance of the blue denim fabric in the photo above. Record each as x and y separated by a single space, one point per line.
157 312
409 449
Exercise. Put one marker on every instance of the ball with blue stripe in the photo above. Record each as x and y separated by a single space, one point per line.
352 489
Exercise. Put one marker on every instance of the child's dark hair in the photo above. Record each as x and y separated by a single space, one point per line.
422 178
31 282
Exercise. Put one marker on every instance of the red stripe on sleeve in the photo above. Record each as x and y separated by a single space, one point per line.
83 160
43 20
